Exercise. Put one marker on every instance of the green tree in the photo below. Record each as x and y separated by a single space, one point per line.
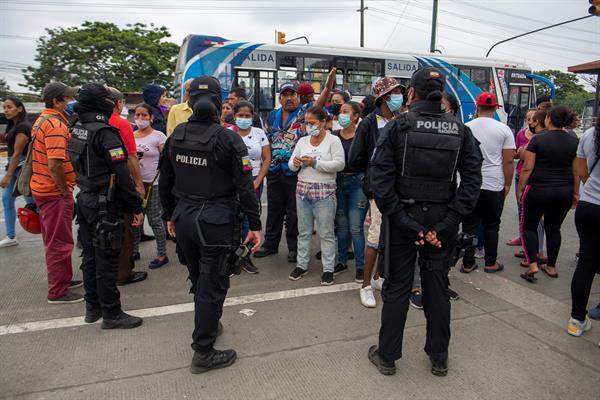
569 91
4 89
98 51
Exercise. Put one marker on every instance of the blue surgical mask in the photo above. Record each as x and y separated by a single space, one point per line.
313 130
70 105
344 120
395 102
243 123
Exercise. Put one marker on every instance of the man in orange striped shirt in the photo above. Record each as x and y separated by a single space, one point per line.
52 184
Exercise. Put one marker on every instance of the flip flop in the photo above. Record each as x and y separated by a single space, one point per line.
514 242
545 269
529 277
494 270
465 271
524 264
520 254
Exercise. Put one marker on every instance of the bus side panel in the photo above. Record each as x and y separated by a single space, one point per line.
219 62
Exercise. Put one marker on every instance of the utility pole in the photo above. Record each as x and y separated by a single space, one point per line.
433 26
362 22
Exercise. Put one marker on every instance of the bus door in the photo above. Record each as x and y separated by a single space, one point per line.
517 94
260 88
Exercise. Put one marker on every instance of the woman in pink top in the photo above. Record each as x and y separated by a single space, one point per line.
150 144
535 124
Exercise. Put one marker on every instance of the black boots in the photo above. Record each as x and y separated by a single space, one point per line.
122 321
215 359
385 367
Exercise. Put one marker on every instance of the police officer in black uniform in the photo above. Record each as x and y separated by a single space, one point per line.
100 162
413 175
205 181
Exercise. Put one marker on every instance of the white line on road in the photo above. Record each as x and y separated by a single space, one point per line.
179 308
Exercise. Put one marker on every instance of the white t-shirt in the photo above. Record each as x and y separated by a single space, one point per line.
493 136
255 141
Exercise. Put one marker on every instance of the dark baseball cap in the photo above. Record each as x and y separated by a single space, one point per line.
289 86
115 94
428 78
91 92
55 90
205 85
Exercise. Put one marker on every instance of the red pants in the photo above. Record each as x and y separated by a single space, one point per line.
56 217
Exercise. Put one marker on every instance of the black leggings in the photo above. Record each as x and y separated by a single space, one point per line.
587 222
553 203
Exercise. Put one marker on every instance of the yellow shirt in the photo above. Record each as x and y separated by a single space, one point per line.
178 114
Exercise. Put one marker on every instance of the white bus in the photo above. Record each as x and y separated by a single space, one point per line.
261 68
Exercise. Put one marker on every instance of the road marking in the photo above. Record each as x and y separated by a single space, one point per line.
35 326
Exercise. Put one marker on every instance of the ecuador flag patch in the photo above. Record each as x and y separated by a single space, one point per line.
116 154
246 164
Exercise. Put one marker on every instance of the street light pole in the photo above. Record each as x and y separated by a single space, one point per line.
433 26
362 22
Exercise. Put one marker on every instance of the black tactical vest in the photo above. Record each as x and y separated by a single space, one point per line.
91 169
432 143
198 175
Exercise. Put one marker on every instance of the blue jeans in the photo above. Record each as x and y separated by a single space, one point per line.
321 214
352 208
8 203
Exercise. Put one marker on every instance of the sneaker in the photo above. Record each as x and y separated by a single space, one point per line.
384 367
594 313
479 253
8 242
452 294
377 284
416 300
248 266
68 298
576 328
327 279
367 298
215 359
339 268
297 273
360 276
122 321
75 284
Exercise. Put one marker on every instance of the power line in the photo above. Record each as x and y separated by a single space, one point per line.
397 23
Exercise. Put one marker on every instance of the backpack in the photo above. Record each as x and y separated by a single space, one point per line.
22 187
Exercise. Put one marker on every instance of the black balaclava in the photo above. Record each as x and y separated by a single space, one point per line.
94 98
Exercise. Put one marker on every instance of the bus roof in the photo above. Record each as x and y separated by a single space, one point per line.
201 40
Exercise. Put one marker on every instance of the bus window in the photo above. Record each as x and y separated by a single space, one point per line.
480 76
361 77
315 72
286 74
266 91
245 80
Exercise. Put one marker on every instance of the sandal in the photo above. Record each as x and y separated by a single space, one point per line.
499 267
520 254
465 270
514 242
545 270
524 264
529 276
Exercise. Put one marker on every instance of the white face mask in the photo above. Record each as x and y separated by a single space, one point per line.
313 130
142 123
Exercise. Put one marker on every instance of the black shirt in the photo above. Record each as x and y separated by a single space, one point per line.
554 155
346 144
23 127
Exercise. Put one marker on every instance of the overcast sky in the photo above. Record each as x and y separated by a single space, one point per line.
466 27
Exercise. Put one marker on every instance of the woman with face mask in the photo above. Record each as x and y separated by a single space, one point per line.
317 158
338 98
352 204
259 152
150 143
17 138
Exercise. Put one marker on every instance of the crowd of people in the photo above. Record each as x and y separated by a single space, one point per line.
314 153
